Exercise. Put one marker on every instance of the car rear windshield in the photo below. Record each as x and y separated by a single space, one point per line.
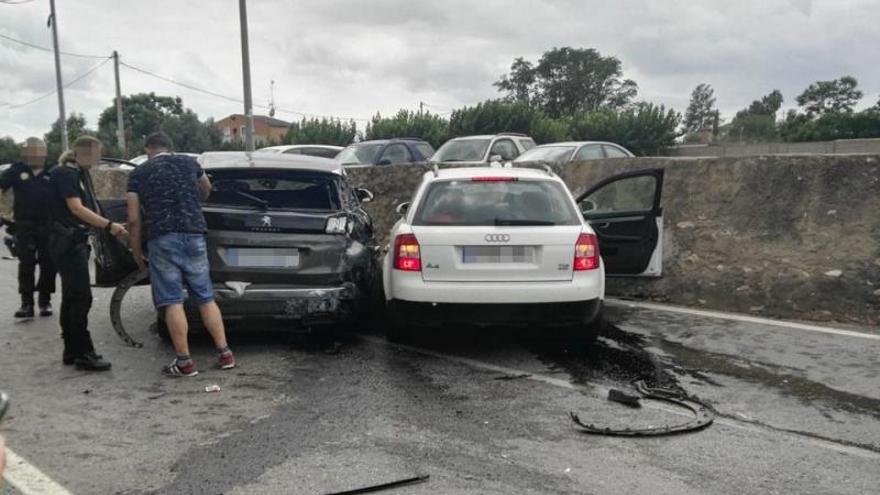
548 153
358 154
462 150
489 202
274 189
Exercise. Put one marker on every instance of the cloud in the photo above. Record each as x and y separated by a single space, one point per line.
353 58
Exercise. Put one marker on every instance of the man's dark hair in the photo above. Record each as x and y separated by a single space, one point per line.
158 140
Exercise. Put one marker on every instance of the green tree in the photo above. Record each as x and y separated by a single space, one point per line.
10 151
643 128
830 126
758 121
519 83
835 96
143 114
701 112
491 117
568 80
424 125
76 127
321 131
189 134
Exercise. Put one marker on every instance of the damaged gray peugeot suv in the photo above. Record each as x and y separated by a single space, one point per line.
287 240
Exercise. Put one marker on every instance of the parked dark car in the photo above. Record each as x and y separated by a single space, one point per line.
287 240
386 152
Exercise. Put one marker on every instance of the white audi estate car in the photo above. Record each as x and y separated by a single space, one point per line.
512 246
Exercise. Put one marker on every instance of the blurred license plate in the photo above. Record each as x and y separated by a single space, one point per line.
498 254
262 257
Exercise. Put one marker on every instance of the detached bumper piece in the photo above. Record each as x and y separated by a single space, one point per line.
703 416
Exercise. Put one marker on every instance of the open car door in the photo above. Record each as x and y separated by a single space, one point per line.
625 212
113 260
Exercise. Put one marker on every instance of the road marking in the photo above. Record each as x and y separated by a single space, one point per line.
600 391
742 318
29 480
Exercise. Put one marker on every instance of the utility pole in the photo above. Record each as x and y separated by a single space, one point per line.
53 20
246 76
120 124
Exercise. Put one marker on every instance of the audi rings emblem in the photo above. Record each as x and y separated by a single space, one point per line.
497 238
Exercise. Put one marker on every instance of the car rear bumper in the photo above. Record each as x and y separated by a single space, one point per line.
544 314
309 305
409 286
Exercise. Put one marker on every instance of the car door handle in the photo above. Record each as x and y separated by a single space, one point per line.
603 225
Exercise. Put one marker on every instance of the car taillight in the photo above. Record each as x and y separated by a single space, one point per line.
586 253
336 225
407 256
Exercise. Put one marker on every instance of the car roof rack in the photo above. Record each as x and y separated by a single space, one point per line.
517 134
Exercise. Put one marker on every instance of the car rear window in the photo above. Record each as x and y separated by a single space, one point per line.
486 202
276 189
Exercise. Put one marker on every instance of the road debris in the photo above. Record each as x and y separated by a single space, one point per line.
703 415
212 388
513 377
619 396
384 486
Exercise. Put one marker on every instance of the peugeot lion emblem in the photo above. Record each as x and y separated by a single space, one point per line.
266 221
497 238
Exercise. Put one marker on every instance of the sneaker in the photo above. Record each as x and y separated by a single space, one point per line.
180 371
25 311
91 362
226 360
46 309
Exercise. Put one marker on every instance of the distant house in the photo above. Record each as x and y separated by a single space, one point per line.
267 130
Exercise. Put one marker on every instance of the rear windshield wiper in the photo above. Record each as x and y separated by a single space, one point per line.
510 221
262 203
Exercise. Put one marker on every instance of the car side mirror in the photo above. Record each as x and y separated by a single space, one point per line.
364 195
402 208
384 161
587 206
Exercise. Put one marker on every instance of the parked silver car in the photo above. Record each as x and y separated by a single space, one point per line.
574 151
481 150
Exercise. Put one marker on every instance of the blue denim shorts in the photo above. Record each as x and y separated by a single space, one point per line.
178 260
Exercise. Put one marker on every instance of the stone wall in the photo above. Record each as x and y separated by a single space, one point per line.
839 146
781 236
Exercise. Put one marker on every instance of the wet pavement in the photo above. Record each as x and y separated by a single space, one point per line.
480 411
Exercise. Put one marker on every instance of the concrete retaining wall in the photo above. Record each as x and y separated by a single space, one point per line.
840 146
783 236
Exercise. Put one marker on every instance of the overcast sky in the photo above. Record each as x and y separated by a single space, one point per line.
352 58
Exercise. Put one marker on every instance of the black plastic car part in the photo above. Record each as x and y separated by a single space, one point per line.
703 415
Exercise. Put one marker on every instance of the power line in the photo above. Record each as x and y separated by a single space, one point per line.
70 83
43 48
229 98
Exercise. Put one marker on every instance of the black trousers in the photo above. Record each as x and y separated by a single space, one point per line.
76 298
32 242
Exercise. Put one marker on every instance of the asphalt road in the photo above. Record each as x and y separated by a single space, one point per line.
799 410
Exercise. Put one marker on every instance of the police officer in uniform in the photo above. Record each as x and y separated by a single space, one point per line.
30 184
74 211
